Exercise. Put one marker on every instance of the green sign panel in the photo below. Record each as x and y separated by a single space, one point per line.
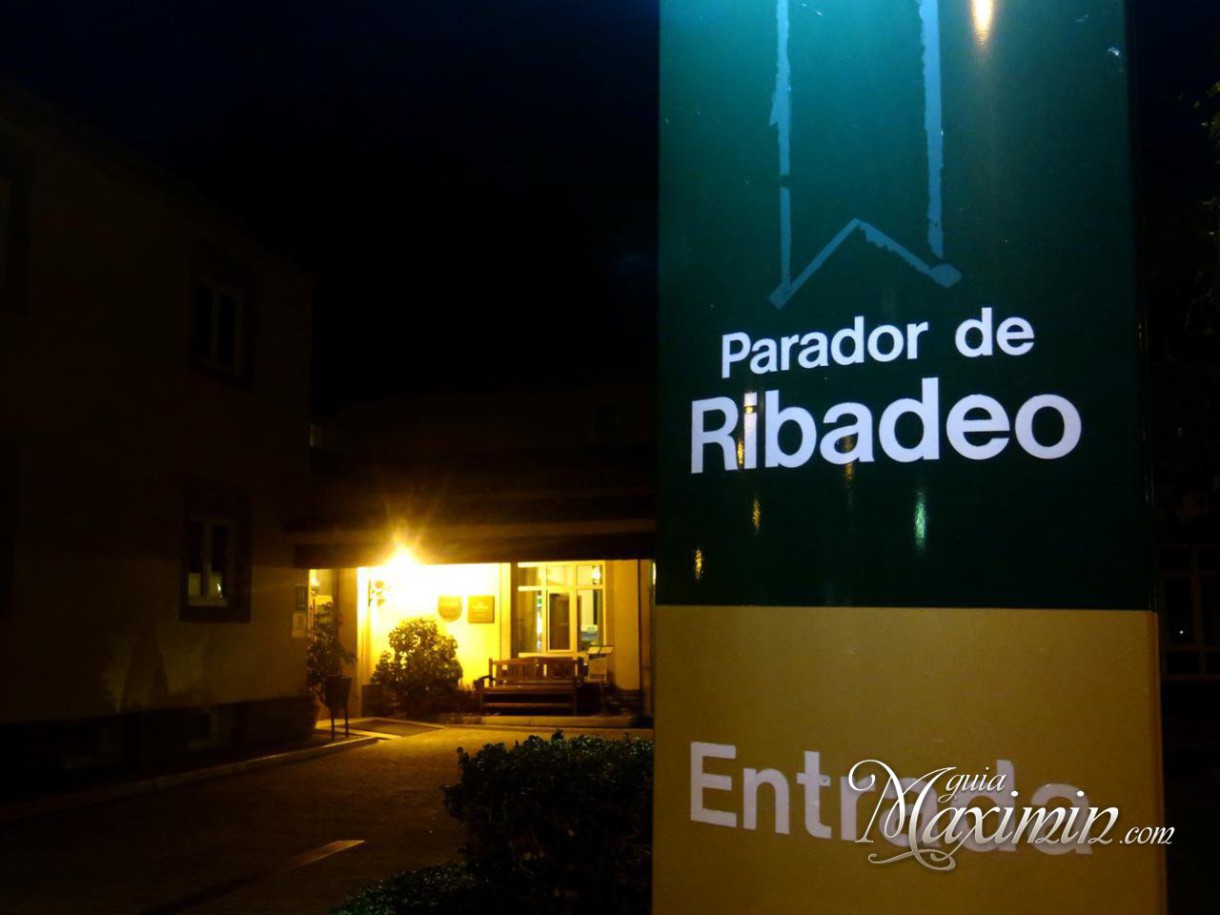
900 361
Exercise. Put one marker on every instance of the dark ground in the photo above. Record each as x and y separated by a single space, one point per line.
158 852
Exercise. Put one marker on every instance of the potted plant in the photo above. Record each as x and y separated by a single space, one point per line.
324 663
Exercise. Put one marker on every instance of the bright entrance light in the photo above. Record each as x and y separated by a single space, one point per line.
401 571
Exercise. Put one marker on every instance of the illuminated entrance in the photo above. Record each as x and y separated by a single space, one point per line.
502 610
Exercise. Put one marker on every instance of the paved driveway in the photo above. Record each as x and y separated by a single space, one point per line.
259 842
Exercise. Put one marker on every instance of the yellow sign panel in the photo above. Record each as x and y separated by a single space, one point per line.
825 760
482 609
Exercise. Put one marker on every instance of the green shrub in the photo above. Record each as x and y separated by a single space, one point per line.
447 888
561 826
422 666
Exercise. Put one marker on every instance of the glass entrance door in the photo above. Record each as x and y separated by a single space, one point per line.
560 607
559 621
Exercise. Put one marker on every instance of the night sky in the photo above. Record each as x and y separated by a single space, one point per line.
489 167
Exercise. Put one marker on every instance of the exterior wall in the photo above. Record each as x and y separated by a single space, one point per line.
624 624
107 423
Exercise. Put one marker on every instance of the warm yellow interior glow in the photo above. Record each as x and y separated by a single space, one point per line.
983 12
404 588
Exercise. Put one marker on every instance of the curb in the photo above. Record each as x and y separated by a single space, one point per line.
41 806
426 725
636 732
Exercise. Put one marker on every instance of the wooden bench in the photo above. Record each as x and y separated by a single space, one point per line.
531 684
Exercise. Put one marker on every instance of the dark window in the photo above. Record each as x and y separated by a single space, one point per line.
222 316
216 555
217 325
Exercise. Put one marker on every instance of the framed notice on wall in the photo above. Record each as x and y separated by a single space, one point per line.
482 609
449 608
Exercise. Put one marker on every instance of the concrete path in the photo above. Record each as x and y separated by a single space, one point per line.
279 840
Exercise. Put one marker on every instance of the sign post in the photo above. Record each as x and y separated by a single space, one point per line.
903 567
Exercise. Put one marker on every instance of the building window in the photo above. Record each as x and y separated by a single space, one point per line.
209 574
560 607
216 555
1190 611
217 328
222 316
